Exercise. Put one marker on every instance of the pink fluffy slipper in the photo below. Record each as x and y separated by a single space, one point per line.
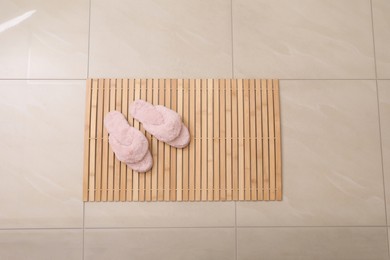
164 123
129 145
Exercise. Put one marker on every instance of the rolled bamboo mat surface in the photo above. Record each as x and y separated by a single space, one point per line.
235 148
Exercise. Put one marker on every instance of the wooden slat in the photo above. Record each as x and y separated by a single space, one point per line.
235 148
272 193
136 124
222 143
141 175
87 125
111 158
247 153
186 151
117 167
99 140
105 140
161 154
228 115
216 125
234 140
210 151
190 97
265 137
130 172
253 171
204 140
155 146
198 134
241 158
123 176
167 155
92 142
173 170
148 175
277 141
179 162
259 141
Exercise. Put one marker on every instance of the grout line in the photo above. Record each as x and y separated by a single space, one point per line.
317 79
160 227
75 79
83 229
373 39
262 77
89 37
194 227
33 229
382 167
231 28
235 230
39 79
346 226
379 125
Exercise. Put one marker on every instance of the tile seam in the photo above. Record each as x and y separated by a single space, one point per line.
379 125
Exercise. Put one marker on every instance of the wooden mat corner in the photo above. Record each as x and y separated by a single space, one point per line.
235 149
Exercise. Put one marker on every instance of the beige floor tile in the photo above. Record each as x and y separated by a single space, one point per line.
331 158
388 235
41 153
381 10
303 39
41 244
384 108
160 214
358 243
171 243
43 39
155 38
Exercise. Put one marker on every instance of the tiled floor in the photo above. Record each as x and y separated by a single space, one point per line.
332 58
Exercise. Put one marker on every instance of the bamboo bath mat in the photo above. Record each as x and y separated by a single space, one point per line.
235 149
